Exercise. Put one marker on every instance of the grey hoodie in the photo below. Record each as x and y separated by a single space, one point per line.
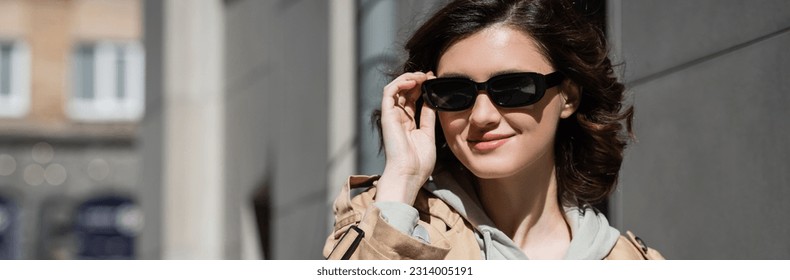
593 238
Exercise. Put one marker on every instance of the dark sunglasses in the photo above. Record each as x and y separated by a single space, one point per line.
507 90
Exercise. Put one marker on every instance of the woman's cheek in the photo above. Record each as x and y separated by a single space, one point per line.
453 127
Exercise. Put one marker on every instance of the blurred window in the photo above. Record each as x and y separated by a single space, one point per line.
9 229
14 79
107 82
106 227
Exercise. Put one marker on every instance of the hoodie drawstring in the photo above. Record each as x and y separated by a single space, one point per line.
487 244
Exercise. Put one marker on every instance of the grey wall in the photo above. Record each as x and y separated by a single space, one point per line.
150 133
276 106
708 176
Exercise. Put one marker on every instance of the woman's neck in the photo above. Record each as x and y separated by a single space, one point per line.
525 207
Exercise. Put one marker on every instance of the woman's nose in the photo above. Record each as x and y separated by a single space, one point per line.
484 112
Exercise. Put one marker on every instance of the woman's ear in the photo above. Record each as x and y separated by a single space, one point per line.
571 94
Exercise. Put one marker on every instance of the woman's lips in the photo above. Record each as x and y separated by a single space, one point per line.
489 142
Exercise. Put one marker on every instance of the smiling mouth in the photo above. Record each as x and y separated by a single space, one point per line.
489 142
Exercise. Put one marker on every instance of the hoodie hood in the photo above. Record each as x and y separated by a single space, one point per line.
592 237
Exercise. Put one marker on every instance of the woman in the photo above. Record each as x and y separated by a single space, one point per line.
504 128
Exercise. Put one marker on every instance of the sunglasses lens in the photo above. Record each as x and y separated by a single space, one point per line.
506 90
514 91
451 95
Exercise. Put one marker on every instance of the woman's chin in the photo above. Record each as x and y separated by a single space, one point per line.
494 171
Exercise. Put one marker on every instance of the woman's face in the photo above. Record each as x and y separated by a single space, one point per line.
495 142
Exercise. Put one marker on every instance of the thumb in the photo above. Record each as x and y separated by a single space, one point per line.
427 120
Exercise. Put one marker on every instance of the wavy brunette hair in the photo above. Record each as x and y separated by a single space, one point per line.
588 145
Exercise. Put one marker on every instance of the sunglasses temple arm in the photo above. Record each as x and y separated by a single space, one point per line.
554 79
418 110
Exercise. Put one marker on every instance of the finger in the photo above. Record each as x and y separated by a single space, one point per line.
418 77
392 129
430 75
411 76
408 96
395 119
416 91
402 91
391 95
404 82
428 120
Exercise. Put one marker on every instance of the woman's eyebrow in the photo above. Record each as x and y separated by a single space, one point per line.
497 73
454 75
508 71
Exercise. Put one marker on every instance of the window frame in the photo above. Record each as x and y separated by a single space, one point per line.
17 103
105 104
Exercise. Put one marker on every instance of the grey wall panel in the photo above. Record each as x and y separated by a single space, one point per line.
660 34
300 239
708 178
151 131
245 157
277 61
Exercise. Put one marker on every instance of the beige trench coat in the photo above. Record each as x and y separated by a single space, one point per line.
361 233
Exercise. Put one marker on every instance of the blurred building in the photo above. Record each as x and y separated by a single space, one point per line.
71 98
270 89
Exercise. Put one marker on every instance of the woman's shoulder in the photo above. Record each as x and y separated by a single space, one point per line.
358 195
631 247
355 206
359 192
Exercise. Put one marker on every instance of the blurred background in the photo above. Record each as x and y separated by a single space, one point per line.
211 129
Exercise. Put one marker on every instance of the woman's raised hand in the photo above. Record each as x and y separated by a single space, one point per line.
410 151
